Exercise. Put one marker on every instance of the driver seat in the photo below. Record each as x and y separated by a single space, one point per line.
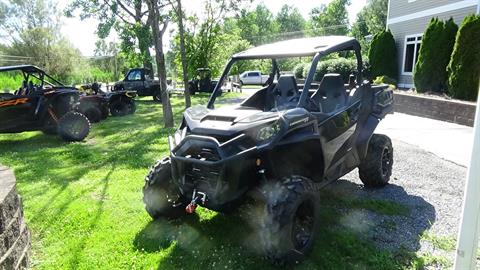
331 94
285 93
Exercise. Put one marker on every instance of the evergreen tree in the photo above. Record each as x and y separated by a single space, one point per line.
382 55
437 45
464 67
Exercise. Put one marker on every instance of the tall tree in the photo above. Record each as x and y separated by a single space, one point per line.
371 19
331 19
290 21
181 31
33 36
128 17
155 20
257 26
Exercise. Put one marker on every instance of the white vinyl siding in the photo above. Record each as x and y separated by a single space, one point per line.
412 27
405 7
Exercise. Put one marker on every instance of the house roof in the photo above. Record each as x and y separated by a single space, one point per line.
299 47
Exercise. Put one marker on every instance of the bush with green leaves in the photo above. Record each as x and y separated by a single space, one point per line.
342 66
464 66
10 82
385 80
382 55
298 71
437 46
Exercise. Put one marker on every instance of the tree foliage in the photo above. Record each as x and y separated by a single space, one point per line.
464 68
383 55
127 18
290 22
431 67
331 19
33 30
370 21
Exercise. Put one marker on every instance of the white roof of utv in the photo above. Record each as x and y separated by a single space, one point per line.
299 47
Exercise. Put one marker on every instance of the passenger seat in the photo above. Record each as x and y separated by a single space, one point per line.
331 94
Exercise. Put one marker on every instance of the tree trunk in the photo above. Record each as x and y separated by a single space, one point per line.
144 42
188 102
160 58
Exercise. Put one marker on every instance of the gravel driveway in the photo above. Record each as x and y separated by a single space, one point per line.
432 188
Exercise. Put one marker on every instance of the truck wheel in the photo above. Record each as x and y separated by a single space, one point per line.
160 196
289 219
157 97
376 169
122 107
73 126
93 114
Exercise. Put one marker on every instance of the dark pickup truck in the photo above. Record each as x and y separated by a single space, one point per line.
140 80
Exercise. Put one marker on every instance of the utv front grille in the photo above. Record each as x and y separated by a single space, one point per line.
202 176
204 154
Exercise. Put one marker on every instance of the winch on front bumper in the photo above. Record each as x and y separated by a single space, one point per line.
221 170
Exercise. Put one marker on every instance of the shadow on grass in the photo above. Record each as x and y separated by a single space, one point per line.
358 229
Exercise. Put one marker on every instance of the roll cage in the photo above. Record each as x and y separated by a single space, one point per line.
317 47
35 72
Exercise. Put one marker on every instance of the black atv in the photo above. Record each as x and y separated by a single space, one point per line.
39 105
281 145
96 104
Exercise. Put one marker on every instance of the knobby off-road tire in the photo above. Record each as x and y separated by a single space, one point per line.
160 195
73 126
122 107
93 114
376 169
290 215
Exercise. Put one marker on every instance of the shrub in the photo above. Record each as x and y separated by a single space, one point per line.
10 82
342 66
437 46
464 67
298 71
382 55
385 80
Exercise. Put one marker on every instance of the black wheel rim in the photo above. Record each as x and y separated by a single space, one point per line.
386 161
75 128
119 109
303 225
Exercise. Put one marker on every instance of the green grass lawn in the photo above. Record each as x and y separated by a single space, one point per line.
83 204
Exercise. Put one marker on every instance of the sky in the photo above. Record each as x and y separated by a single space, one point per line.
82 33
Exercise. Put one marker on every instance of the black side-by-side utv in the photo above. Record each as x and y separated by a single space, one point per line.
39 105
281 145
96 104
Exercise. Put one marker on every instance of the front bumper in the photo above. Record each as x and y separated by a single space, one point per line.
224 171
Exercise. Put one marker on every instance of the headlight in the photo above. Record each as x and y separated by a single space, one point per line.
266 133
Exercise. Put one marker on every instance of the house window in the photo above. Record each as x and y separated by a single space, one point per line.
412 48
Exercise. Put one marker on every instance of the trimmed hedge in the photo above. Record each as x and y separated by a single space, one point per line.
342 66
382 55
464 66
437 46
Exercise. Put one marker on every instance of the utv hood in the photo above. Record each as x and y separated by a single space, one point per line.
226 120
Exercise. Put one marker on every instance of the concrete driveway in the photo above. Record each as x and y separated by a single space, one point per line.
449 141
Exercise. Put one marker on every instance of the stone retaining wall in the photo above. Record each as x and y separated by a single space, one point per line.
14 235
453 111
